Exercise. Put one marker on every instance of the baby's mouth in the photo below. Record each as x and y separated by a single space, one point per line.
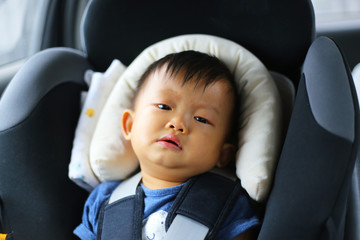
170 141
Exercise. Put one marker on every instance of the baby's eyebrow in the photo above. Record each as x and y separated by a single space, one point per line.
207 106
167 91
175 96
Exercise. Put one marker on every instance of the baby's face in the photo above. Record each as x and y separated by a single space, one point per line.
179 131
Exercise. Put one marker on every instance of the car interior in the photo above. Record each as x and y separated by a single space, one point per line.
314 190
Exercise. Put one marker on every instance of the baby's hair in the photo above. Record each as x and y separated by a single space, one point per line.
197 68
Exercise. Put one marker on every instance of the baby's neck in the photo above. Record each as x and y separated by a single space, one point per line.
151 182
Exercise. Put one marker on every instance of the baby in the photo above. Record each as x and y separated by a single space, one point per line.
182 124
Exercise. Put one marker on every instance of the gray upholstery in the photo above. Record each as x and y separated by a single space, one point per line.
39 75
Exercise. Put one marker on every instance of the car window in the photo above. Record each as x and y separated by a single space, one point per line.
21 26
337 14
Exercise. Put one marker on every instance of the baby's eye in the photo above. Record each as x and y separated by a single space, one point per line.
164 107
202 120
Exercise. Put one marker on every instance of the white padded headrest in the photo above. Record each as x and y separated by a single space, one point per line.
112 158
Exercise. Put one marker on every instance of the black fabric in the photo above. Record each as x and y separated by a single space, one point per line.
9 236
312 181
353 217
101 219
38 114
122 219
206 199
3 220
39 200
4 225
279 32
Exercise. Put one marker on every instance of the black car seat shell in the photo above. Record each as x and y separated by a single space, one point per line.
277 32
318 157
38 115
40 108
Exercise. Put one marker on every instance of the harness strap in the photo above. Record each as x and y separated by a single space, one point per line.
122 219
207 200
126 188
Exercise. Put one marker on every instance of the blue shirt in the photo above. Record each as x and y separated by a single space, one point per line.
240 219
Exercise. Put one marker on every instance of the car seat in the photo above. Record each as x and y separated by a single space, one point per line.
39 111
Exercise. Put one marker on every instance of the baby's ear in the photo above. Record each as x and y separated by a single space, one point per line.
127 120
227 154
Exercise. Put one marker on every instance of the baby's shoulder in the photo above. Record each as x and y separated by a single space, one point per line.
102 192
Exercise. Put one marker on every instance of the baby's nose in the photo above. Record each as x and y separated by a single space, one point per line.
177 126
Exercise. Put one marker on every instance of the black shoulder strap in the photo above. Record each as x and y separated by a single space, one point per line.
206 199
122 219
